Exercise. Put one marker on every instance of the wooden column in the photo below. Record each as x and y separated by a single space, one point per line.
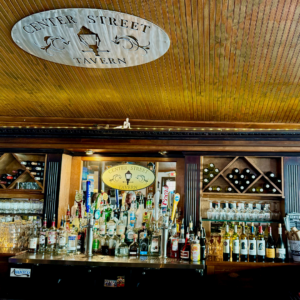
192 190
292 184
75 180
52 186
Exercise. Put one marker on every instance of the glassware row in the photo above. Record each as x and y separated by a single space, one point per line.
15 206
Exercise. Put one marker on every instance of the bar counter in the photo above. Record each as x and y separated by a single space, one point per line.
106 261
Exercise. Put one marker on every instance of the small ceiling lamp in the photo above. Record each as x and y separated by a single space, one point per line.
89 152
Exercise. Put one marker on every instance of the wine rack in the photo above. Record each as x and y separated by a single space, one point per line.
12 161
259 166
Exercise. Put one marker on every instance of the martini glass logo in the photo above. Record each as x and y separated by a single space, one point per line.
90 40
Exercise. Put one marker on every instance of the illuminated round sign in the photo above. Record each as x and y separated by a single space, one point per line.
90 38
128 177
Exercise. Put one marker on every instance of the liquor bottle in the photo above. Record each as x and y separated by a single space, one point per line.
68 219
181 240
235 245
51 237
173 252
252 244
96 242
144 244
270 247
121 225
243 245
217 189
202 244
236 171
155 242
111 224
42 236
216 171
211 175
205 171
122 250
211 166
261 245
206 181
185 252
113 240
246 171
72 241
61 246
195 250
134 249
230 176
229 189
147 215
76 221
33 239
259 190
141 232
280 247
80 241
271 175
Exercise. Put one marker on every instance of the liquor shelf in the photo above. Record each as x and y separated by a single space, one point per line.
106 261
242 221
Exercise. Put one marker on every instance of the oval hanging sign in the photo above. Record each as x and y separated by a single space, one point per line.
90 38
128 177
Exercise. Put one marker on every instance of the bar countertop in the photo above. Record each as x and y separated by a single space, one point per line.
106 261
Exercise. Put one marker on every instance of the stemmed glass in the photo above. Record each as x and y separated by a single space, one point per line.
210 212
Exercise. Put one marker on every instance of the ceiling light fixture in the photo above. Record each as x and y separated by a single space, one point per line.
89 152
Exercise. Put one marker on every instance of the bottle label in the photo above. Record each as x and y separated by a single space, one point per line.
72 242
261 249
62 240
102 228
51 237
270 253
95 244
130 235
120 229
174 244
133 253
111 229
32 243
42 238
226 246
143 252
280 253
184 254
154 245
131 219
252 247
235 246
195 252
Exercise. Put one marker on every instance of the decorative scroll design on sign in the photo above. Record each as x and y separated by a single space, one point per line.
91 40
134 43
54 43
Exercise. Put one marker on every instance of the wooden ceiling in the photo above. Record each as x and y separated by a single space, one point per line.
229 61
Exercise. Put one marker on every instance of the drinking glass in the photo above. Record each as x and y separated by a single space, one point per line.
217 211
26 207
210 212
225 212
1 206
15 204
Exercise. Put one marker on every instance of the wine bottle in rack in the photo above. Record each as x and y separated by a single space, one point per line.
241 176
229 189
247 182
270 175
236 182
277 181
259 190
252 177
211 166
20 171
205 171
236 171
253 190
273 191
217 189
230 176
210 189
241 188
246 171
37 169
267 186
206 181
37 163
211 175
41 174
216 171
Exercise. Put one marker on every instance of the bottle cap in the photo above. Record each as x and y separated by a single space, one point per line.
135 236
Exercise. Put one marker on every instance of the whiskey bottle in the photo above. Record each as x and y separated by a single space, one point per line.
173 253
134 248
155 242
261 247
226 244
32 243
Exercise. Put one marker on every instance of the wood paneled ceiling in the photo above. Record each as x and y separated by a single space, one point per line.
229 61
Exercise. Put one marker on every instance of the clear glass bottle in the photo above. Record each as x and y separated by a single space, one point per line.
155 242
122 250
62 238
32 242
134 248
147 215
111 224
113 242
72 241
51 237
121 225
102 226
42 236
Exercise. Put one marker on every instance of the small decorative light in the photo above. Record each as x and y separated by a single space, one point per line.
89 152
128 176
